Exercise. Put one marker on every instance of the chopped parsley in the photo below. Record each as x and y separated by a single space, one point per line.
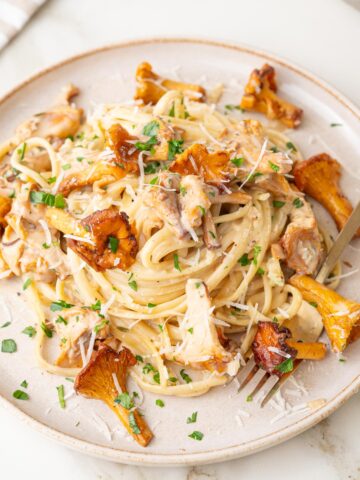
172 110
249 398
21 152
147 146
176 262
274 167
231 108
175 146
133 424
260 271
95 307
257 250
133 285
244 260
291 146
51 180
156 377
278 203
151 129
61 395
342 360
173 379
20 395
113 244
335 124
61 319
151 167
49 199
46 330
196 435
24 384
202 210
30 331
59 305
154 181
298 203
27 283
313 304
8 346
193 418
125 400
274 149
67 166
45 245
148 368
182 191
185 376
151 305
238 161
285 366
100 326
191 330
159 403
79 159
139 358
6 324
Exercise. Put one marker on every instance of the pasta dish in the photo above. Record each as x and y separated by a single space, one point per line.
170 239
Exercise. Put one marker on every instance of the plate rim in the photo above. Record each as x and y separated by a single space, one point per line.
226 453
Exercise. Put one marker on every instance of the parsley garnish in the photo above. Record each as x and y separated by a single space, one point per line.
59 305
182 190
24 384
257 250
30 331
291 146
27 283
286 366
156 377
133 285
172 110
191 330
244 260
278 203
139 358
238 161
61 395
20 395
151 305
231 108
46 330
124 400
6 324
202 209
196 435
298 203
8 346
133 425
148 368
274 149
151 129
146 146
113 244
260 271
313 304
12 194
51 180
61 319
100 326
274 167
45 245
176 262
249 398
154 181
151 167
335 124
67 166
185 376
49 199
175 146
21 152
160 403
193 418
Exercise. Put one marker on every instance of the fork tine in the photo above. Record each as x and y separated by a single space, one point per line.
246 374
257 380
280 382
270 388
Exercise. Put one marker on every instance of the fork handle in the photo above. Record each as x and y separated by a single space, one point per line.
343 239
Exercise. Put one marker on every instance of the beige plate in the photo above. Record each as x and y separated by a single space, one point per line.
108 75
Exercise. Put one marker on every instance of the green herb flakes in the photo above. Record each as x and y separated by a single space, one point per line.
159 403
8 346
113 244
30 331
238 161
49 199
286 366
46 330
176 262
196 435
61 395
20 395
278 203
193 418
125 400
27 283
151 129
59 305
175 147
133 424
298 203
185 376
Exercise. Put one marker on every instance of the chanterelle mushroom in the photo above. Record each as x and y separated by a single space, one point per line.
302 241
109 238
200 342
340 315
260 95
96 381
151 87
196 160
319 177
5 207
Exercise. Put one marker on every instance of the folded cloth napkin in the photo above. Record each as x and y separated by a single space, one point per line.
14 14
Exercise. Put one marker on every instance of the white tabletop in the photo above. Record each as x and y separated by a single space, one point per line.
322 36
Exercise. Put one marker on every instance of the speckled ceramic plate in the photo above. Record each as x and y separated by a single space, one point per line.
108 75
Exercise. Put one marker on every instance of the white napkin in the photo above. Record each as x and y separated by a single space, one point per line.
14 14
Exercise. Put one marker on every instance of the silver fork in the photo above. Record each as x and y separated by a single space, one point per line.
260 383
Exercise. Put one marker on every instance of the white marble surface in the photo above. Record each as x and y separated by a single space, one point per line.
321 35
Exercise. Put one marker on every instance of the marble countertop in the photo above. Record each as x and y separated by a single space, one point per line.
322 36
